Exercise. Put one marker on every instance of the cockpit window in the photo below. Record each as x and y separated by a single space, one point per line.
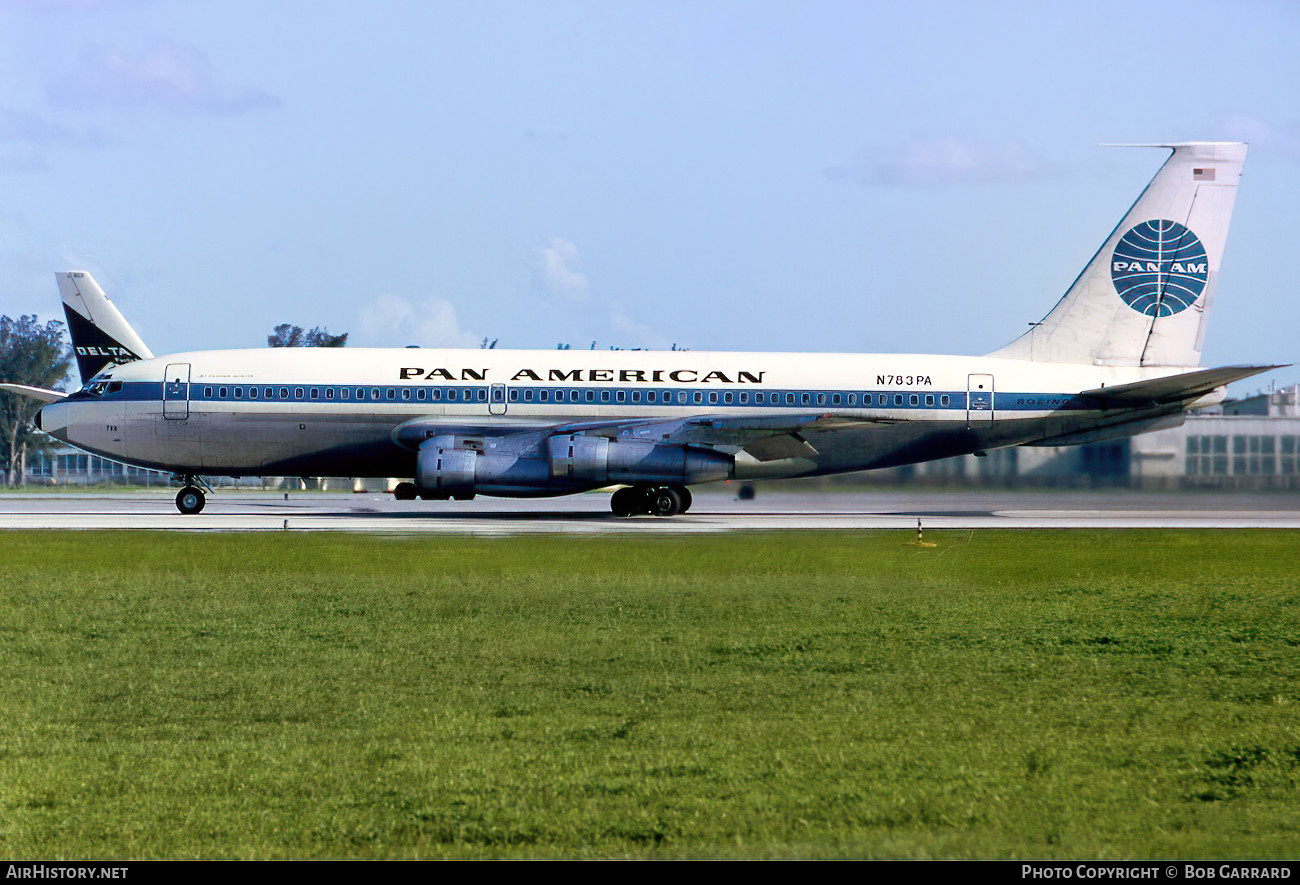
97 385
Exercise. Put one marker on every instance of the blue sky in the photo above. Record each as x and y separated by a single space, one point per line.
811 176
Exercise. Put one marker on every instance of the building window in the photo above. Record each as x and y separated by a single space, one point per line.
1254 455
1207 455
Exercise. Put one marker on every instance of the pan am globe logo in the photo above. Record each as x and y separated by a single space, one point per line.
1159 268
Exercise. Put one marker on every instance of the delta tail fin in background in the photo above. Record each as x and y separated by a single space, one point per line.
1145 297
100 334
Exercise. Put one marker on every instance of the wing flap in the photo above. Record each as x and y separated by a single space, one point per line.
777 448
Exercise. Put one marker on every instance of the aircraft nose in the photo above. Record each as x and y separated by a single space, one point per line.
53 419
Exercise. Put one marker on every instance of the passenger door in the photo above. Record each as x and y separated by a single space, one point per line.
176 391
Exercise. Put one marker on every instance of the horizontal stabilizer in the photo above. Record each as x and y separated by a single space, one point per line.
40 393
1174 388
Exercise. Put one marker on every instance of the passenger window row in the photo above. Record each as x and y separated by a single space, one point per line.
586 396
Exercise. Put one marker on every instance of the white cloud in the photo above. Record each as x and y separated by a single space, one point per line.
391 321
1263 135
634 333
24 127
940 161
559 270
168 76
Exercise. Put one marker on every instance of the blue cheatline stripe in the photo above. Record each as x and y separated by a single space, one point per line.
766 398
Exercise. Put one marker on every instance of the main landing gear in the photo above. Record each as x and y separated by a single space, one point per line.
190 499
652 500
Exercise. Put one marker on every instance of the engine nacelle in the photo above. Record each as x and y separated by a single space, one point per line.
600 460
448 468
444 470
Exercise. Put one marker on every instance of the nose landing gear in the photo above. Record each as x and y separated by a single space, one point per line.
190 499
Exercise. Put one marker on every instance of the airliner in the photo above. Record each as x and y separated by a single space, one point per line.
1118 355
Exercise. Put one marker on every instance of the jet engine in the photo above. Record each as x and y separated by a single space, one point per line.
449 466
598 460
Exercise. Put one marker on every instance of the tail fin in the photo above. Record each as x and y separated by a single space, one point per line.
100 334
1144 299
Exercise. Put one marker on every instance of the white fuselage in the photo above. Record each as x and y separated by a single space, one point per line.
364 412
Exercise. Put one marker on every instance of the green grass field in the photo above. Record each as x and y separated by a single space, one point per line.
1005 694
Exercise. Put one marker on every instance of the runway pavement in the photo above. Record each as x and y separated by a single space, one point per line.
716 509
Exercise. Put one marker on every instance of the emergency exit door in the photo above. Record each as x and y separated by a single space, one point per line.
979 399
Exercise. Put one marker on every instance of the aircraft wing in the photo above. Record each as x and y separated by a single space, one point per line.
765 438
40 393
1174 388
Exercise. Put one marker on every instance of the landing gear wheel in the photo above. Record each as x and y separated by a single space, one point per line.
405 491
190 500
685 494
624 502
665 502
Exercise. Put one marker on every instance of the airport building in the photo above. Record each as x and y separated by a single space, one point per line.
1247 444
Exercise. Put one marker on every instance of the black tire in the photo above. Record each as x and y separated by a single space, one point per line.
190 500
687 498
624 502
665 502
405 491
